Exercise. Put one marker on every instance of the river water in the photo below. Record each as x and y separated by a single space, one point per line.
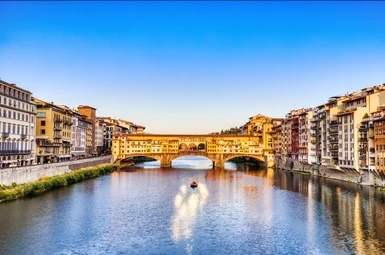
154 211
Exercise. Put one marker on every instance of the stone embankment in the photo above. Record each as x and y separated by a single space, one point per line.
363 178
20 175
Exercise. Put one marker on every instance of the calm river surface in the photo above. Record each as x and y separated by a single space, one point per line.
154 211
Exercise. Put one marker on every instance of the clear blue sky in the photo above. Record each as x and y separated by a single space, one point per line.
192 67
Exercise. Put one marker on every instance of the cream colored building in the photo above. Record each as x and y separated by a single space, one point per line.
17 126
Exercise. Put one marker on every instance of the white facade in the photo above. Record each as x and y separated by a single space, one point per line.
79 130
99 135
17 126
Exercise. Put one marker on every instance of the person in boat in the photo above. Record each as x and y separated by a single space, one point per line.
194 184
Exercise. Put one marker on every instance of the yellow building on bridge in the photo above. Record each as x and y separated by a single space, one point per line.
167 147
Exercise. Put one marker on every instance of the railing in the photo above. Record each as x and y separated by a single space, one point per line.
58 120
67 122
333 123
333 130
5 134
363 139
57 136
47 144
6 152
57 128
23 136
363 129
334 155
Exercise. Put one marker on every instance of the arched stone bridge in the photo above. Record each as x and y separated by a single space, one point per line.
165 147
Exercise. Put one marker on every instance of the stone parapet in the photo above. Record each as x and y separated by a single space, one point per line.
362 177
20 175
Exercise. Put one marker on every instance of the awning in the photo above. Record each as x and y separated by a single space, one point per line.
78 152
64 156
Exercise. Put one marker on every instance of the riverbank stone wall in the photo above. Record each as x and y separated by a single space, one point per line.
20 175
363 177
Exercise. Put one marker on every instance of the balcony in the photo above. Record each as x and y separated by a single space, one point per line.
333 130
23 136
363 129
48 144
333 123
363 139
313 120
334 155
333 148
57 128
58 120
57 136
66 145
372 149
13 152
5 134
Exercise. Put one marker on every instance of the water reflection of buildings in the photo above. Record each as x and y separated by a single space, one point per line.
357 212
186 204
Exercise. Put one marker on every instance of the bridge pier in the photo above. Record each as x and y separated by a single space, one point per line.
165 160
218 162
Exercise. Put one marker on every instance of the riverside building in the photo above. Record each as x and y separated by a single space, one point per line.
53 132
346 133
17 126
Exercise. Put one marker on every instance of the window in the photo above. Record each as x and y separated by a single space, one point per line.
42 131
42 123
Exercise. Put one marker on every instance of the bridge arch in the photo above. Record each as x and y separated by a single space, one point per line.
131 156
192 147
201 147
260 159
183 147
